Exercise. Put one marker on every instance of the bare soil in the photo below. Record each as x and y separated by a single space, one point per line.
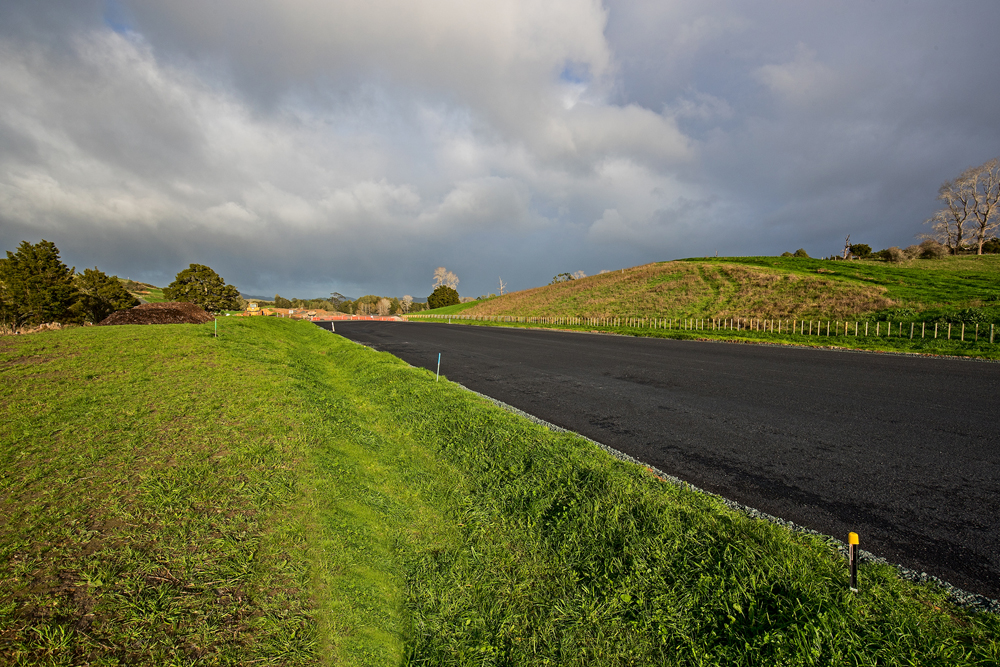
171 312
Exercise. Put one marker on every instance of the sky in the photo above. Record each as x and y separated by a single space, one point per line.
305 147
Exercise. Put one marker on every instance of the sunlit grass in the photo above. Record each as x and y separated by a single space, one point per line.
282 496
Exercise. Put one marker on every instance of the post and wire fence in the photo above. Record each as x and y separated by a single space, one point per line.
888 329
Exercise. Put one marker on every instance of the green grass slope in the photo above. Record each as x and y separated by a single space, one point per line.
282 496
145 291
765 287
451 310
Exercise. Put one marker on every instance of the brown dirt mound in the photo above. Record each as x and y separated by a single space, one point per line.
172 312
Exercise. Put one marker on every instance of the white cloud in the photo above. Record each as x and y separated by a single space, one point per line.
803 81
309 142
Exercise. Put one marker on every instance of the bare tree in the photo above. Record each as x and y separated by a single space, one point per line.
503 285
847 247
443 276
951 223
984 184
579 274
384 306
405 303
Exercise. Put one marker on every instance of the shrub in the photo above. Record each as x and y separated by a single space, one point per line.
443 296
992 247
892 254
787 254
931 249
801 253
972 316
912 251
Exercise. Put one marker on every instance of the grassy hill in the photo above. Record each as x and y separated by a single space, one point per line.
145 291
281 496
765 287
451 310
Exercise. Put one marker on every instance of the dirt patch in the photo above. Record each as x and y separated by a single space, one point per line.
171 312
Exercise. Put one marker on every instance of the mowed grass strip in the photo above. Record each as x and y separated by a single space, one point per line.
282 496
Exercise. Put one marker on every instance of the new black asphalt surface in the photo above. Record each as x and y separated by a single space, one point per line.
902 450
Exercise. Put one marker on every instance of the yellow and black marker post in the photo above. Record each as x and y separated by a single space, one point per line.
852 559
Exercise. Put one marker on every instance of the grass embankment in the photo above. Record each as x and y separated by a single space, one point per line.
762 287
451 310
282 496
951 290
145 291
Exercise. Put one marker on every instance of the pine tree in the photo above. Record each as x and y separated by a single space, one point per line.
36 287
103 295
202 286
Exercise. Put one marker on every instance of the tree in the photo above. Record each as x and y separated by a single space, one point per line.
102 295
972 205
949 223
860 250
443 276
443 296
984 184
384 306
36 287
281 302
201 285
406 303
801 253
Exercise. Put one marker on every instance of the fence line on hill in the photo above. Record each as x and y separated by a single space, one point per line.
832 328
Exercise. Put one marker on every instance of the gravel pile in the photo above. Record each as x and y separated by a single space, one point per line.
172 312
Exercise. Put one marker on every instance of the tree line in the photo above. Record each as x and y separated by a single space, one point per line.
370 304
36 287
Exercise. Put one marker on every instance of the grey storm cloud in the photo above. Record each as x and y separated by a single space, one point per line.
307 146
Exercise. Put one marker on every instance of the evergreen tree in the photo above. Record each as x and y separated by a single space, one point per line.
102 295
36 287
443 296
202 286
281 302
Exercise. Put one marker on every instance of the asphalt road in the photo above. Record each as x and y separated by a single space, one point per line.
904 451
